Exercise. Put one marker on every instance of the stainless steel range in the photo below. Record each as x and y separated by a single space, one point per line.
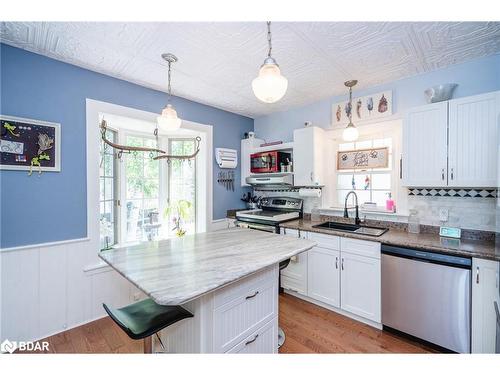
273 211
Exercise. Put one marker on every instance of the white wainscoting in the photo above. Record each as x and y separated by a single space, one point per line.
49 288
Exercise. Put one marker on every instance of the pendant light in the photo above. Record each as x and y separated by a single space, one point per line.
168 119
350 133
270 86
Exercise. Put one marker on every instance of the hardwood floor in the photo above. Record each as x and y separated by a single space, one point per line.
308 328
100 336
314 329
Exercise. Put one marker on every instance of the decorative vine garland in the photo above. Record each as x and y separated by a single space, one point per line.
128 149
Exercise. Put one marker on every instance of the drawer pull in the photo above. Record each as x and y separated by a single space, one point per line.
253 295
252 340
337 263
342 264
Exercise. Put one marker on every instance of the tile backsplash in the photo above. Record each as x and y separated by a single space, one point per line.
463 212
467 213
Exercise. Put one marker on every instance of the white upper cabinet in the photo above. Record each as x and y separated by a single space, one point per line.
473 137
452 143
308 156
424 159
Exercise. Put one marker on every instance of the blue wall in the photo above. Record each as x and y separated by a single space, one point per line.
474 77
53 207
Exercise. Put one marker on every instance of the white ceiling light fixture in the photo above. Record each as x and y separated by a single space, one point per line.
350 133
270 86
168 119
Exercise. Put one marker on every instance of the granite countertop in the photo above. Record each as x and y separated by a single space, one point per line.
175 271
427 241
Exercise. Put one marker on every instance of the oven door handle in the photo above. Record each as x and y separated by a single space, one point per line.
261 227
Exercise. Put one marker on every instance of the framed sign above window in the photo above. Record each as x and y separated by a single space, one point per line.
363 159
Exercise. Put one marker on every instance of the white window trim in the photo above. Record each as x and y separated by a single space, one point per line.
204 173
116 194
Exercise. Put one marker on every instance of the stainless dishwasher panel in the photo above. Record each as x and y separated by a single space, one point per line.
427 300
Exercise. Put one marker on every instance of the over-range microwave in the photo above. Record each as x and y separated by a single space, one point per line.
267 162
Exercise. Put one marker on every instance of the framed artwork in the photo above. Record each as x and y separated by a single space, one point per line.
30 145
363 159
363 108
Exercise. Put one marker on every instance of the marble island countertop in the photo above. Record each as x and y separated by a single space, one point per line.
427 241
175 271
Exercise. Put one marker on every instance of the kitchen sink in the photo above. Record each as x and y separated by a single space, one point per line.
353 228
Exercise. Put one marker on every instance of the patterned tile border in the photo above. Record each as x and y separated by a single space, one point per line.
453 192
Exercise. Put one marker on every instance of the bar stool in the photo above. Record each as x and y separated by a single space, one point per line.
145 318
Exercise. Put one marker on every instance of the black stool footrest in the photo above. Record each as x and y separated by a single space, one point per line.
145 318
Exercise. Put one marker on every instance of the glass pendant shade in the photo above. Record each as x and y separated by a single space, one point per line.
168 119
270 86
350 133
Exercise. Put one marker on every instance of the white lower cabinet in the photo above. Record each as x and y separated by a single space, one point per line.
343 273
485 292
360 286
294 276
264 340
323 276
239 318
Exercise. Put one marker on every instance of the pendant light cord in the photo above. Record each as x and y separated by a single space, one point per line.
350 104
269 38
169 85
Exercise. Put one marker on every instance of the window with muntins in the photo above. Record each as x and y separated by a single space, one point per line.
182 181
142 197
371 185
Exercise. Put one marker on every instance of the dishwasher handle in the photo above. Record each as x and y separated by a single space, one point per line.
428 256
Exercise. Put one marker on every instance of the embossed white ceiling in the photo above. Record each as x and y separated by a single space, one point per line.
217 61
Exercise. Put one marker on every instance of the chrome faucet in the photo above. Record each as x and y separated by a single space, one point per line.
346 214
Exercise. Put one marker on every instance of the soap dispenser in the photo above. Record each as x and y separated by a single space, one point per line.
389 203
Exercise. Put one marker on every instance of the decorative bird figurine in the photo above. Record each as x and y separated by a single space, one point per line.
338 114
382 104
369 105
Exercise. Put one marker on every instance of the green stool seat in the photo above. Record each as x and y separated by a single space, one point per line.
145 318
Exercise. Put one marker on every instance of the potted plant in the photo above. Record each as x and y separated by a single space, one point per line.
179 211
106 230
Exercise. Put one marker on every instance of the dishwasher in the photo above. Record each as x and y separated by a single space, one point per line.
427 295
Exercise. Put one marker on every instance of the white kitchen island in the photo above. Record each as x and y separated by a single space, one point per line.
228 279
